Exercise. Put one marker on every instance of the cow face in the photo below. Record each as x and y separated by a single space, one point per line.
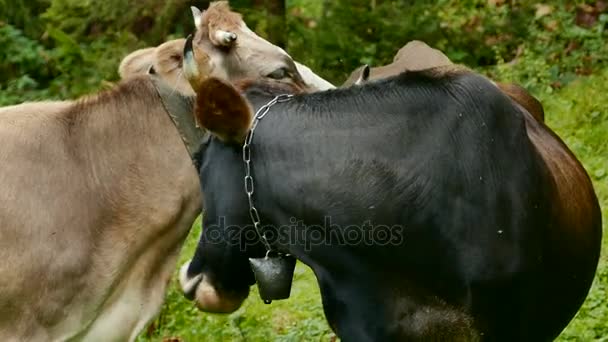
218 277
235 54
238 52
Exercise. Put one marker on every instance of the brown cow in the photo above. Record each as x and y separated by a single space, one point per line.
417 55
223 35
98 195
234 49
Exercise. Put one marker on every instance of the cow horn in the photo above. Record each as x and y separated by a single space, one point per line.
197 15
197 66
364 75
225 38
190 68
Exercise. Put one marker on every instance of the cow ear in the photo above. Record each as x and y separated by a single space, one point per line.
137 62
222 110
169 55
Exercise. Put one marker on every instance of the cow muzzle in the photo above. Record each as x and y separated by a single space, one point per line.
206 296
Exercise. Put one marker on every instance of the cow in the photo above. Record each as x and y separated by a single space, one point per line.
417 55
98 194
470 239
233 47
576 202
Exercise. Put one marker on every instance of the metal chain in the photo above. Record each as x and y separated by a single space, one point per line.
253 212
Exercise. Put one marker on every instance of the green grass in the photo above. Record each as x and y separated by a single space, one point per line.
578 113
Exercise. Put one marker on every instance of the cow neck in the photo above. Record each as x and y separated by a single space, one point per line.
253 212
274 272
180 109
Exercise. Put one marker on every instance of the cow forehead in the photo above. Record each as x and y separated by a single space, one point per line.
252 48
263 43
248 43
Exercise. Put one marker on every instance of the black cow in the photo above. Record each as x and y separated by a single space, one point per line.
419 202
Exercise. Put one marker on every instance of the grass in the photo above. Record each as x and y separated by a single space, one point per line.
578 113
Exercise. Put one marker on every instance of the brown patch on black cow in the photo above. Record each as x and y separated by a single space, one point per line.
448 71
524 98
221 109
575 234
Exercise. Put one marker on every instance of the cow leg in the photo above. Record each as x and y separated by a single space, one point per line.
350 321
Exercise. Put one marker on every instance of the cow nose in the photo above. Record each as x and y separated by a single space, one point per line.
188 285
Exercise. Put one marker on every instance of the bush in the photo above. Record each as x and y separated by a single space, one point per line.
338 36
66 48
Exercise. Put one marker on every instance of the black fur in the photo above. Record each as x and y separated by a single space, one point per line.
444 157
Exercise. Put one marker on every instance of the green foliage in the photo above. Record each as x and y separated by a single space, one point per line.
20 59
338 36
67 48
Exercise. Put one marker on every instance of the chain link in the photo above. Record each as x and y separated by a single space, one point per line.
249 188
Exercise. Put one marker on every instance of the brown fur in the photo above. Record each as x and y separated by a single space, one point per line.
169 56
414 56
219 17
417 55
114 195
249 56
222 110
521 96
204 66
448 70
137 62
164 60
576 234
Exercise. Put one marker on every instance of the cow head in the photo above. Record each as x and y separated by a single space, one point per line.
236 52
164 61
218 277
240 53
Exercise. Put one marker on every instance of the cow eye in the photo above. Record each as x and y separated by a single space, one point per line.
278 74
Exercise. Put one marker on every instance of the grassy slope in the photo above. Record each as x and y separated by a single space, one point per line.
578 113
